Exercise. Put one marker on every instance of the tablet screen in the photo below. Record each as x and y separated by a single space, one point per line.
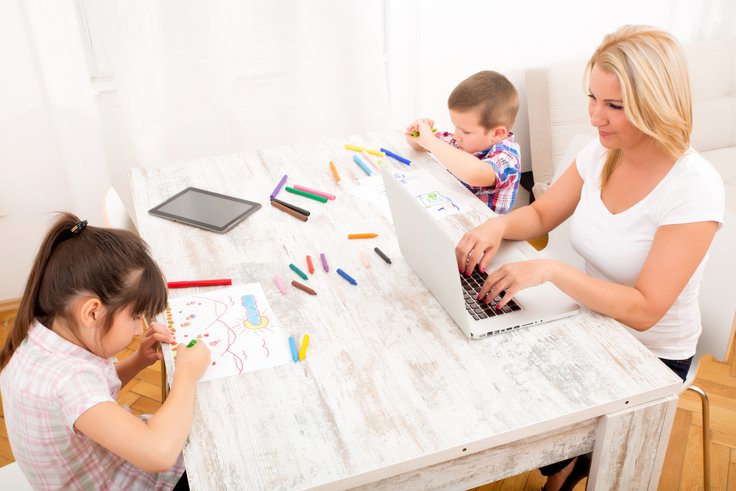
205 209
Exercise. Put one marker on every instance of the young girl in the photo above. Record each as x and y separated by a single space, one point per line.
87 296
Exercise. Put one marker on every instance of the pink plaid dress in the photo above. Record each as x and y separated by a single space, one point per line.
48 383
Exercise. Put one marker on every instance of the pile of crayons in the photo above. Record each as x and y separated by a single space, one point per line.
293 210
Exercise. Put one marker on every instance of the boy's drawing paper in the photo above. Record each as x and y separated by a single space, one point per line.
434 196
236 323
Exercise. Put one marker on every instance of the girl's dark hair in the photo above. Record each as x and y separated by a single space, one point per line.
110 264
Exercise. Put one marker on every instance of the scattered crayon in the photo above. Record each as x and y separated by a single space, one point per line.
323 258
383 256
289 210
303 348
292 346
315 197
278 187
347 277
362 236
334 172
298 271
310 266
302 287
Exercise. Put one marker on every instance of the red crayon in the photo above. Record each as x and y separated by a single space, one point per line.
191 284
310 266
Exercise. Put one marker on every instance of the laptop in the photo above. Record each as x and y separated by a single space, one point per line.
430 252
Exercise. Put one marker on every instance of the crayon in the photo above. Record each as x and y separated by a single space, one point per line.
280 284
310 266
369 159
302 287
383 256
321 199
293 207
191 343
362 236
292 345
416 133
190 284
314 191
360 163
397 157
356 148
298 271
323 258
365 260
334 172
377 153
303 348
349 279
278 187
289 211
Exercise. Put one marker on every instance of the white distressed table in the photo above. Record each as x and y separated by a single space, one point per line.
391 394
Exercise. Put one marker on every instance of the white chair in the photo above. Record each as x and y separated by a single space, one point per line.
116 215
717 307
12 478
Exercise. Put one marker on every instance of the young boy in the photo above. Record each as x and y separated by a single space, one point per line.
481 152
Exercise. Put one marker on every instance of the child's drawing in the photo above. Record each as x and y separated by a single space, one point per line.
238 326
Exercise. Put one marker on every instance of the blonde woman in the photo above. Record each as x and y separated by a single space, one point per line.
643 208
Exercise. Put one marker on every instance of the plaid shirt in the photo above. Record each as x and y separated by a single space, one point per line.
47 384
505 159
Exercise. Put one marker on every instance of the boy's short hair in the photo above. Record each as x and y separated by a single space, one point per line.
490 92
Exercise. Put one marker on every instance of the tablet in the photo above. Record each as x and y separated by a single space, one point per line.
205 209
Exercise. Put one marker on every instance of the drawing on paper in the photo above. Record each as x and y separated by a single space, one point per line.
236 323
437 202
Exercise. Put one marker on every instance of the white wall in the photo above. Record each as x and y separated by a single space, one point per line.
433 44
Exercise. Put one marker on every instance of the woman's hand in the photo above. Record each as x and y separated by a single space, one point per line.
478 246
148 350
514 277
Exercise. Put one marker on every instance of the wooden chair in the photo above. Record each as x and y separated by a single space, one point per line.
717 307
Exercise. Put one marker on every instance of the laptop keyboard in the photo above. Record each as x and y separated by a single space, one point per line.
479 309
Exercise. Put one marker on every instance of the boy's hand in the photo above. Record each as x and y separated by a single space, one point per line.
148 350
192 362
416 130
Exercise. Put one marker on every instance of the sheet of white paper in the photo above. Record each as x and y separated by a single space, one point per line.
236 323
434 196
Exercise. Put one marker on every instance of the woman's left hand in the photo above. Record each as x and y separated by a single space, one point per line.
514 277
149 351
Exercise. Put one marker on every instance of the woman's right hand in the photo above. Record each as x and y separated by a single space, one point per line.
478 246
192 362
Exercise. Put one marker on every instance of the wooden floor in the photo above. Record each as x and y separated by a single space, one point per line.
683 464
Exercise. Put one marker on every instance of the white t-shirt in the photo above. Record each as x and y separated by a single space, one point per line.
615 247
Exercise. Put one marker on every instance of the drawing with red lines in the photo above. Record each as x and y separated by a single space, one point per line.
238 326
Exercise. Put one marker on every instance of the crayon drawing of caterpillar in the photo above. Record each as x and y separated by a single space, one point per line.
254 320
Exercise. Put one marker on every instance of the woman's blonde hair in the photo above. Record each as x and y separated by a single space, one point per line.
650 66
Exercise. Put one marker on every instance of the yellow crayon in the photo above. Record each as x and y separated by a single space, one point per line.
377 153
334 172
303 347
354 147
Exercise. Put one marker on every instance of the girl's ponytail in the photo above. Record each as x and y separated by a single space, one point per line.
28 309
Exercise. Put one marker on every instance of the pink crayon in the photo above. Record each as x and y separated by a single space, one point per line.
314 191
280 284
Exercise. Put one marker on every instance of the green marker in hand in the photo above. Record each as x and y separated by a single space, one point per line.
416 133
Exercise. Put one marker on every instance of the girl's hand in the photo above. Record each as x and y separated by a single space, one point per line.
514 277
193 361
478 246
148 350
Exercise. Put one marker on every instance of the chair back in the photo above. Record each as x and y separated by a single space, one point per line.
717 298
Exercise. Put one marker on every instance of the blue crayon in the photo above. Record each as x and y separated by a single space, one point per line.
346 276
292 345
360 163
397 157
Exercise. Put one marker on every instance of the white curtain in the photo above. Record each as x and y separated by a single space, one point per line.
197 78
51 152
